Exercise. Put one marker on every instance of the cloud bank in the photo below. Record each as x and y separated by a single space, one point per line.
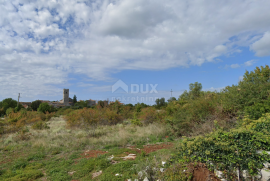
42 42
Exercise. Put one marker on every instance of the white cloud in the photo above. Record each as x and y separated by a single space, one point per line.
250 62
235 66
42 42
220 49
262 46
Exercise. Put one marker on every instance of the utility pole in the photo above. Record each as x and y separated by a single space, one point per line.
171 93
18 100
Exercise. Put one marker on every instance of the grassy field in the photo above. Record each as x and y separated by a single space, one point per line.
59 153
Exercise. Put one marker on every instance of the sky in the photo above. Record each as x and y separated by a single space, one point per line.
134 51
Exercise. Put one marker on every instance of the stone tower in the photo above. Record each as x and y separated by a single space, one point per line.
66 96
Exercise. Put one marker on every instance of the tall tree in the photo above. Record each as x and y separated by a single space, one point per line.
195 90
45 107
7 103
171 99
160 103
35 104
74 99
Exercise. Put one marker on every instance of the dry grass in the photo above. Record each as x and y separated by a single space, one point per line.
59 136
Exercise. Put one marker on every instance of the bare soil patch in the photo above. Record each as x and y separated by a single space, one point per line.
151 148
201 173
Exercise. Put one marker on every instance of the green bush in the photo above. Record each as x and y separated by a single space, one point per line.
35 105
45 107
7 103
227 151
257 110
9 110
253 89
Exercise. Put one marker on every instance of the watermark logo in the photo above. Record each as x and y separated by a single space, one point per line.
144 89
135 88
120 85
138 89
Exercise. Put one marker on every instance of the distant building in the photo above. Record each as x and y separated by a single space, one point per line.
26 104
67 101
91 102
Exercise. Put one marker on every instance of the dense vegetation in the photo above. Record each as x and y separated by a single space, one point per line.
222 129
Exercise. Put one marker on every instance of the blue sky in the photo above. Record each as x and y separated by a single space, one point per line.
87 46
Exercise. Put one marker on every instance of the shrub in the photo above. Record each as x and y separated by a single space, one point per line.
257 110
226 151
8 103
253 89
148 115
35 105
9 111
45 107
112 117
182 118
40 125
23 135
127 112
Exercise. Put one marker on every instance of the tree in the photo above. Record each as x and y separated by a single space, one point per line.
140 106
101 104
184 96
160 103
74 99
251 95
35 104
81 104
45 107
171 99
195 90
7 103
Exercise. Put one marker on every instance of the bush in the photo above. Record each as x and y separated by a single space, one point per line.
112 117
182 118
9 111
40 125
253 89
127 112
226 151
148 115
257 110
35 105
7 103
45 107
19 120
92 117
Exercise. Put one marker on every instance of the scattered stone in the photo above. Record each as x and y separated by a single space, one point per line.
266 165
111 157
145 179
163 163
162 169
140 174
265 174
219 174
245 174
96 174
129 157
71 173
